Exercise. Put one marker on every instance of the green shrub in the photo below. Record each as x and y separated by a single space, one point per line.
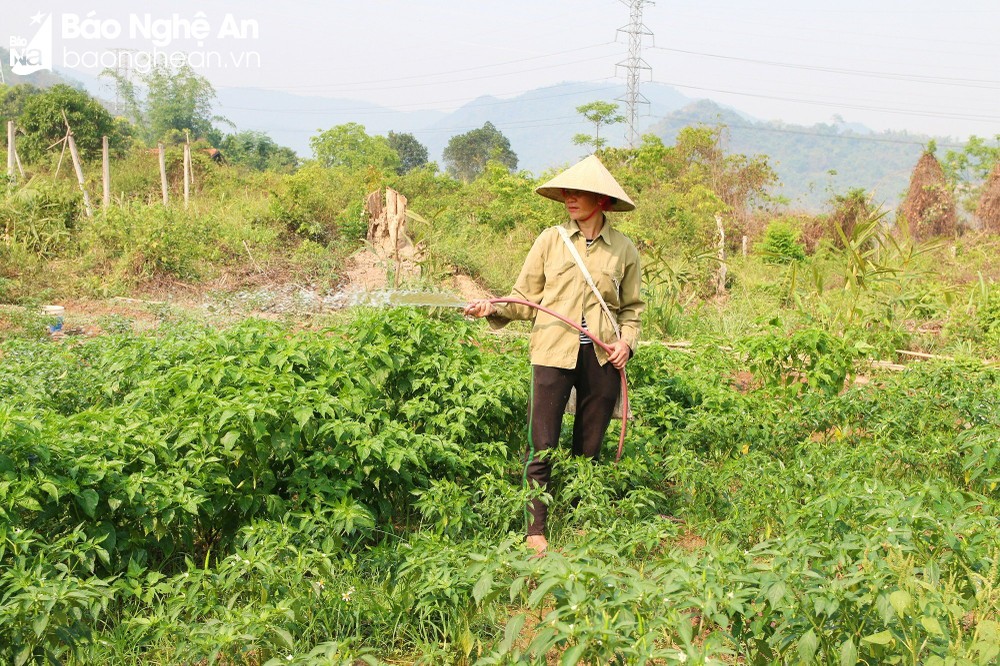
41 216
988 315
673 221
23 322
426 189
137 176
780 244
322 204
137 242
806 358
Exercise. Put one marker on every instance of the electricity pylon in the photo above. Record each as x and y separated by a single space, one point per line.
633 65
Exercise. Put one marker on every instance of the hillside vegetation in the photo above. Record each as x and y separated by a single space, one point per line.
814 162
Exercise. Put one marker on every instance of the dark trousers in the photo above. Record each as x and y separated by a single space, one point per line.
597 389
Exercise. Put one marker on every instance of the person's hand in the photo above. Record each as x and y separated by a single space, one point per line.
480 308
620 353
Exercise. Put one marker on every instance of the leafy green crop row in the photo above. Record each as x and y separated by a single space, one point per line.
264 495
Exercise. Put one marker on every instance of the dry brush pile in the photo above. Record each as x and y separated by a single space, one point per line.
929 206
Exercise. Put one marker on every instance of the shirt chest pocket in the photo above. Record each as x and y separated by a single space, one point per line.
609 282
560 274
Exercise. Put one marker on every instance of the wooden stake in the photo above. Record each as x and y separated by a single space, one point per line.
187 173
106 171
17 158
906 352
62 153
187 135
720 282
10 149
65 140
744 246
163 172
78 167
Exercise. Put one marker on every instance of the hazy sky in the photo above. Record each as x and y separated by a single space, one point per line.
924 66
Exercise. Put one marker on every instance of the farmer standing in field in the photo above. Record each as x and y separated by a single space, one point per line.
561 357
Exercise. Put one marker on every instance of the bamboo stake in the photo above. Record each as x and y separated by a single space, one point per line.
69 133
17 158
163 172
78 167
187 135
62 153
10 149
106 171
720 283
187 173
906 352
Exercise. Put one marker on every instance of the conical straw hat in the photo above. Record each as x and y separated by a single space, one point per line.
590 176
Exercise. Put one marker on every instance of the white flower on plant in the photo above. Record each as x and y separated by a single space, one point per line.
346 596
681 657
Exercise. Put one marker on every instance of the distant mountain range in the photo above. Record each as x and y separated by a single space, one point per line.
813 163
540 124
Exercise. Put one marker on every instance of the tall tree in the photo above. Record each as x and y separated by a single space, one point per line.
466 155
177 101
258 151
43 123
599 113
13 98
349 145
412 153
968 169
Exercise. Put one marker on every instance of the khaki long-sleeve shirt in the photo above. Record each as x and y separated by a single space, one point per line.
551 277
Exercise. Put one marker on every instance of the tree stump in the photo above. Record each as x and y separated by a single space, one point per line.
387 234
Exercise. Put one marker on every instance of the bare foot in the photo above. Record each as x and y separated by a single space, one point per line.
537 543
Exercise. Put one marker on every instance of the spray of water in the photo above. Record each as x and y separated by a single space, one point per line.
387 298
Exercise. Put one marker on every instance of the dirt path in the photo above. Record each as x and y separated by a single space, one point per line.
235 297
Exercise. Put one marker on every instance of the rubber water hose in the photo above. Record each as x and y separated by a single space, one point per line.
602 345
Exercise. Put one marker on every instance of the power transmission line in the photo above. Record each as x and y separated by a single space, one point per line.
915 78
391 84
858 107
396 108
